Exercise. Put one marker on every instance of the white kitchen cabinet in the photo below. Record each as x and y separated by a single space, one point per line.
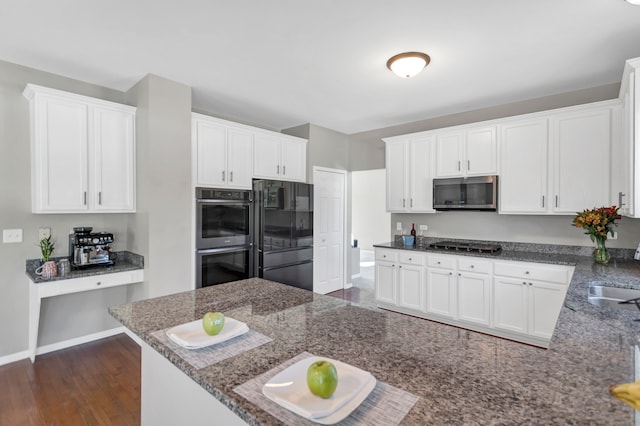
470 152
625 154
441 286
409 179
523 171
279 157
517 300
411 281
581 147
222 153
528 297
386 276
474 291
82 153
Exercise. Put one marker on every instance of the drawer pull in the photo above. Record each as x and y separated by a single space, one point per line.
410 259
98 283
526 272
524 283
471 266
438 262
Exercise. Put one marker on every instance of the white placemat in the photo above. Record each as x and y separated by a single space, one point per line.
203 357
386 405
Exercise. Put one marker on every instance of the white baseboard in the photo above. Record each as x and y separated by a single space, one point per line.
18 356
62 345
356 276
348 285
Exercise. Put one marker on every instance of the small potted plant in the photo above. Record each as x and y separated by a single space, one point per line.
48 268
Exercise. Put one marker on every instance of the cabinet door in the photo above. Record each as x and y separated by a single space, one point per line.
211 154
266 157
441 292
420 175
294 160
113 187
581 142
510 304
396 173
239 158
545 303
449 154
523 167
60 156
386 282
474 298
481 151
411 287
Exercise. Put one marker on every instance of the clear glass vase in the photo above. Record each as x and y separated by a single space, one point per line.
601 253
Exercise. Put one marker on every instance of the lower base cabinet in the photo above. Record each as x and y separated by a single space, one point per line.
516 300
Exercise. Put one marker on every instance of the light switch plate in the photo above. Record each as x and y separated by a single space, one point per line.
12 235
399 226
424 227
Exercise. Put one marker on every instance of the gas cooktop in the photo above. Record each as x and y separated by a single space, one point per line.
477 247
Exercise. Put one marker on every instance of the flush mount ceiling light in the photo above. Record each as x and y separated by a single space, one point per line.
636 2
408 64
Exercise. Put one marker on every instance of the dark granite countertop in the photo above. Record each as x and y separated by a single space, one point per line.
126 261
461 377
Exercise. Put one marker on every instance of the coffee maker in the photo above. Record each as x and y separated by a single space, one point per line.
87 249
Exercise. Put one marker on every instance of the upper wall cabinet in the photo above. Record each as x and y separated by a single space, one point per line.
470 152
280 157
82 153
409 178
625 154
558 162
523 172
222 152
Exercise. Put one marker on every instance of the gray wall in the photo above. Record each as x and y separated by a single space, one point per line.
161 228
62 317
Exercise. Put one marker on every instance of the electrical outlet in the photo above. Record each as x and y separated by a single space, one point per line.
12 235
423 227
614 236
399 226
44 233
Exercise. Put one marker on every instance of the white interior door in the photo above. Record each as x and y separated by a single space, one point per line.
329 230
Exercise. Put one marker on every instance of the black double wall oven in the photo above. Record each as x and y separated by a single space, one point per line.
224 236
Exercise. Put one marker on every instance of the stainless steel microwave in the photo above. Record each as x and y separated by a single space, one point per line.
470 193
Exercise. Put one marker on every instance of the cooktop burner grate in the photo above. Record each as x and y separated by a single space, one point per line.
468 247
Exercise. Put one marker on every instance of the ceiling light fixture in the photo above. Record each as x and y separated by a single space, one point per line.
636 2
408 64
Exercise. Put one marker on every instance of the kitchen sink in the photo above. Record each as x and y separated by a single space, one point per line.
610 297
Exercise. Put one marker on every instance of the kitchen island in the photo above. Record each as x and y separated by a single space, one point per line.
460 376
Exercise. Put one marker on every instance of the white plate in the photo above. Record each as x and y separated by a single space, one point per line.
289 389
192 336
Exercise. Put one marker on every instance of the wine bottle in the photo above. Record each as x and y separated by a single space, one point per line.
413 233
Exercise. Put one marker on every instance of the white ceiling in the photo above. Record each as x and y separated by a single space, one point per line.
283 63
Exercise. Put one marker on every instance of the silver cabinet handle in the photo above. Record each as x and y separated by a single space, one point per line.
458 165
284 170
524 283
278 169
450 273
84 198
471 266
231 176
438 262
98 283
530 283
556 201
543 201
411 202
526 272
468 164
223 175
404 204
400 266
100 197
620 195
459 274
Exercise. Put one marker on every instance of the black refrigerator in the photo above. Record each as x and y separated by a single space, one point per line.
284 232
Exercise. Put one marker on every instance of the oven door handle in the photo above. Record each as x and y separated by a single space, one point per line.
225 249
230 202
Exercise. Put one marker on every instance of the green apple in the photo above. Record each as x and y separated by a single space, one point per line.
213 322
322 378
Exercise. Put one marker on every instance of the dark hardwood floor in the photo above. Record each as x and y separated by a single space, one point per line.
97 383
